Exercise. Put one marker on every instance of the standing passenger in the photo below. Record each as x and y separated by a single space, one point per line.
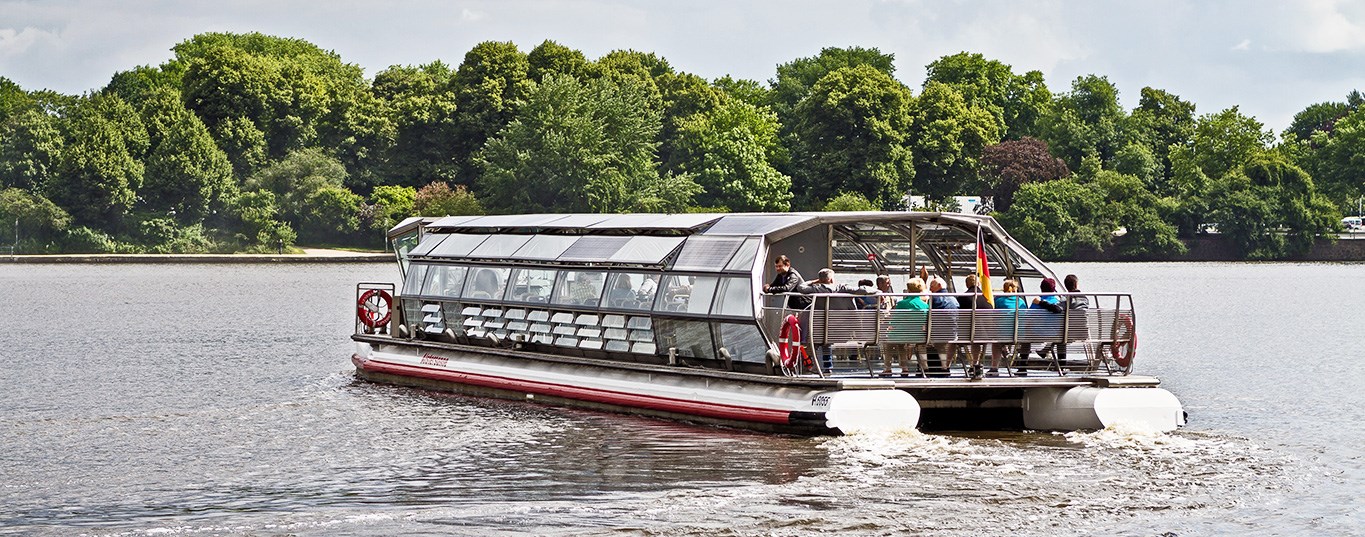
786 281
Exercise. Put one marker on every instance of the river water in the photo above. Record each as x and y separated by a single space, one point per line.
219 399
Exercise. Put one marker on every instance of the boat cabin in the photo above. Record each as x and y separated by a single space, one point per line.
686 289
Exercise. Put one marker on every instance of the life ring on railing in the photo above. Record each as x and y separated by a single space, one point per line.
374 307
789 342
1122 351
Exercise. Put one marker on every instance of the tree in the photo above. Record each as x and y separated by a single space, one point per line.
1322 117
438 199
796 78
330 213
39 221
1053 218
1014 101
585 146
948 137
729 151
1011 164
748 91
392 204
683 96
551 57
30 148
99 170
1084 122
186 174
1338 164
488 85
1127 204
1270 209
257 218
1160 121
295 179
852 134
421 105
848 201
1226 141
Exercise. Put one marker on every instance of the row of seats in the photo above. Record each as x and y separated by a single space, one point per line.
586 331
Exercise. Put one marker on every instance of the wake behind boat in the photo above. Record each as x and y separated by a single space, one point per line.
664 315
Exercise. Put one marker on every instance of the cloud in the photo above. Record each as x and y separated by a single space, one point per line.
1244 45
15 43
469 15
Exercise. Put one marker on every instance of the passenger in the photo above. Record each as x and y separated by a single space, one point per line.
587 289
1005 303
485 284
902 351
884 288
976 352
1050 303
824 283
870 289
942 354
786 281
621 292
648 287
1077 304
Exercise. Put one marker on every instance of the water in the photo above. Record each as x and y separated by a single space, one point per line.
219 399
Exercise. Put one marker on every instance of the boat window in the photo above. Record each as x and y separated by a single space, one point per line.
428 243
403 244
416 276
544 247
485 283
530 285
629 290
686 294
744 258
691 338
444 280
734 297
579 287
743 341
457 245
646 250
706 254
500 246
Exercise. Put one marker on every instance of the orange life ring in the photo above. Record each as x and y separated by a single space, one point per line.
374 307
1122 351
789 344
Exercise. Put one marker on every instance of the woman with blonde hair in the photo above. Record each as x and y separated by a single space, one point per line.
905 324
1005 303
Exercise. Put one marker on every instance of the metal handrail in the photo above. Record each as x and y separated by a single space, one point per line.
1094 341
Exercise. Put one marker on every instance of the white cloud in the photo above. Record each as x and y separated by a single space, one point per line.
1244 45
469 15
17 42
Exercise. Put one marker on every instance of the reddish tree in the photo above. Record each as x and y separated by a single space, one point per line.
1008 165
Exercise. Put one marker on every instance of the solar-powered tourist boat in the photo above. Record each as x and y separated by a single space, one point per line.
663 315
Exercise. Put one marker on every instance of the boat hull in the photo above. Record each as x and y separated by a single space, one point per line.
770 404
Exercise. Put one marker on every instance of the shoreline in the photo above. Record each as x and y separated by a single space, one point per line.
309 255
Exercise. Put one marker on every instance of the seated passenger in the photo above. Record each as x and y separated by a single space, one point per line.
977 352
867 302
824 283
942 355
902 351
485 284
620 293
1006 303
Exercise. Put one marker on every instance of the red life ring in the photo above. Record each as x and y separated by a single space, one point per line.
789 344
1122 351
373 307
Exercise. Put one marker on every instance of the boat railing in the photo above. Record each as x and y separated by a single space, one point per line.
1092 334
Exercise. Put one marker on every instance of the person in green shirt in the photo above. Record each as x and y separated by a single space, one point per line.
902 351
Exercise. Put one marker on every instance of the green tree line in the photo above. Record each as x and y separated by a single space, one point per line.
249 142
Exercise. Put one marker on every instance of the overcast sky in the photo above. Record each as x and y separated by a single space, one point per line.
1272 58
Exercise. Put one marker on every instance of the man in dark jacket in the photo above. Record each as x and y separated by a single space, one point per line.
824 283
787 280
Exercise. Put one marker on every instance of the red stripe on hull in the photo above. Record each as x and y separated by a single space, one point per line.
666 404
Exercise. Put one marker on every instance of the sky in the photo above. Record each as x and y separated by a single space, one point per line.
1271 58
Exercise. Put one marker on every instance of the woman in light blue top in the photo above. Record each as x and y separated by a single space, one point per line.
1005 303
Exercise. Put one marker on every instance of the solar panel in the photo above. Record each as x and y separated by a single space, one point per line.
646 250
754 225
706 253
458 245
594 248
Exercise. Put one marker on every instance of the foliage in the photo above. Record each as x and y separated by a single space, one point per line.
488 85
796 79
30 220
1054 218
1271 209
748 91
393 204
551 57
99 170
1014 101
852 134
949 136
330 212
1223 142
438 199
186 173
729 151
30 147
579 147
1008 165
1338 163
257 220
295 179
848 201
1160 121
1084 122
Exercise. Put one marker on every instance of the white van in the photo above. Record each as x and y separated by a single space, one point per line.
1353 223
